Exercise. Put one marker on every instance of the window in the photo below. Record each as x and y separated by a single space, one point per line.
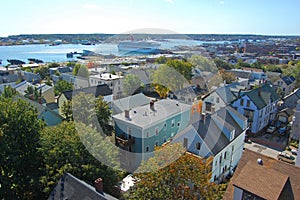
172 134
248 103
156 131
218 100
198 145
165 126
156 143
185 142
208 106
178 124
165 139
173 123
242 102
147 134
147 149
225 155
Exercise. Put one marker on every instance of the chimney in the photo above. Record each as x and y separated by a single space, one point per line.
152 105
259 91
127 114
99 185
203 117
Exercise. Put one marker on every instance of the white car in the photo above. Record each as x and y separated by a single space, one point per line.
294 151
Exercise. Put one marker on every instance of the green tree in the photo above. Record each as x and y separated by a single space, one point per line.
221 64
62 86
33 93
103 114
20 161
131 84
227 76
203 63
161 60
172 76
42 71
9 92
81 71
48 81
71 64
185 178
53 65
69 148
67 110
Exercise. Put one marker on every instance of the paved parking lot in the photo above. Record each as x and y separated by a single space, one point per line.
262 149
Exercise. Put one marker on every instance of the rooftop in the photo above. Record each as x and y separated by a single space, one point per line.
143 116
273 180
106 76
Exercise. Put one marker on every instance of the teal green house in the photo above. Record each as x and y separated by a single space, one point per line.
142 128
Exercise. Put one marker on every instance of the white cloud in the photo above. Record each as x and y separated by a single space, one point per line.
169 1
221 2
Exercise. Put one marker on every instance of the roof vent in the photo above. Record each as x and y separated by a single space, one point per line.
259 161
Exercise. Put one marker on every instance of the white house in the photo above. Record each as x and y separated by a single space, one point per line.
114 82
258 105
218 137
220 97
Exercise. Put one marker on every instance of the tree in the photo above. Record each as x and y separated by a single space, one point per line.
172 76
33 93
42 71
9 92
67 110
48 81
62 86
81 71
77 149
185 178
91 111
221 64
227 76
20 161
131 84
161 60
53 65
203 63
103 114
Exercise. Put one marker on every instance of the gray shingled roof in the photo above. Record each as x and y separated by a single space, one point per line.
226 94
266 93
70 187
98 90
214 138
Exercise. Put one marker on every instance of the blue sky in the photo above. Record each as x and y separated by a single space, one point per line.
271 17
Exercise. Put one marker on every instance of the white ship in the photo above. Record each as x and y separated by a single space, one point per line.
139 46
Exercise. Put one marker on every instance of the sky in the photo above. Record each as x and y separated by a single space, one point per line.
267 17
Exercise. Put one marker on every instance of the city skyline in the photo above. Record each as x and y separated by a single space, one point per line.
164 16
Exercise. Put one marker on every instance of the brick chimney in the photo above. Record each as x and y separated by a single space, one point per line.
259 91
152 105
203 117
99 185
127 115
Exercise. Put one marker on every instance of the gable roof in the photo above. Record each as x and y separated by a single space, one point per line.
269 171
288 80
211 133
98 90
259 182
225 93
70 187
262 99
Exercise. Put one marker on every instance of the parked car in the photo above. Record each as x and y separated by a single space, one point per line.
294 151
282 130
271 129
286 158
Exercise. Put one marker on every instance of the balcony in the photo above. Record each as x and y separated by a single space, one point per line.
124 142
